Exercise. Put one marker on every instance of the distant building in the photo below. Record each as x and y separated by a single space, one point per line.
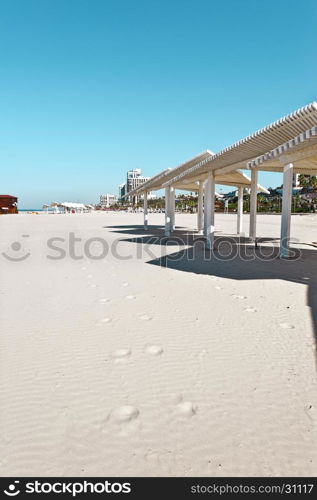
122 190
8 204
134 180
106 200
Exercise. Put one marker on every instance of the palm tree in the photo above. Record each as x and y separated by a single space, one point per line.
307 181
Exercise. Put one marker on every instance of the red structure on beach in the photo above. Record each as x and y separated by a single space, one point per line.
8 204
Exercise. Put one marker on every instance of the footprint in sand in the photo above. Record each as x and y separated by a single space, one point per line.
218 288
124 413
125 284
154 350
287 326
105 320
104 301
187 408
89 276
121 354
241 297
202 353
130 297
250 310
145 317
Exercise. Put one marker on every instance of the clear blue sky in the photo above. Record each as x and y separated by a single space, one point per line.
92 88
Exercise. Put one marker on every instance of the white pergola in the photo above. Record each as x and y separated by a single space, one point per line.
277 147
299 155
165 180
240 154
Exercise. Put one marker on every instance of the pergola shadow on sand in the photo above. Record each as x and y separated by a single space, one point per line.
288 145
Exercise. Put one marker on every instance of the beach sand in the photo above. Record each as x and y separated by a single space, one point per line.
134 365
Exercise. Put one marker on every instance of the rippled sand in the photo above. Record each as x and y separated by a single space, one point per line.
121 366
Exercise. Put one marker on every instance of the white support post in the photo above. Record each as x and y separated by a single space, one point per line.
240 211
253 203
200 211
145 212
210 210
167 211
172 208
286 209
206 209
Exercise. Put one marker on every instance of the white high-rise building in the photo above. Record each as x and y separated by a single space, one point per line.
106 200
134 180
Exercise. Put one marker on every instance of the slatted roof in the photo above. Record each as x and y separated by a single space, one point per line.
240 153
156 182
235 178
301 151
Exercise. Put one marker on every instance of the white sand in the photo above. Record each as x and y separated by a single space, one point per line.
120 367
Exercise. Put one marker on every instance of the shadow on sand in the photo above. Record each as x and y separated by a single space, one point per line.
233 257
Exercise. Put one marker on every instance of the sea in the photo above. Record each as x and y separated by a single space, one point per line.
30 209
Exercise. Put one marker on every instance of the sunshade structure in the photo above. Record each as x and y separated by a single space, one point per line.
69 206
298 155
169 176
234 178
286 145
238 154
